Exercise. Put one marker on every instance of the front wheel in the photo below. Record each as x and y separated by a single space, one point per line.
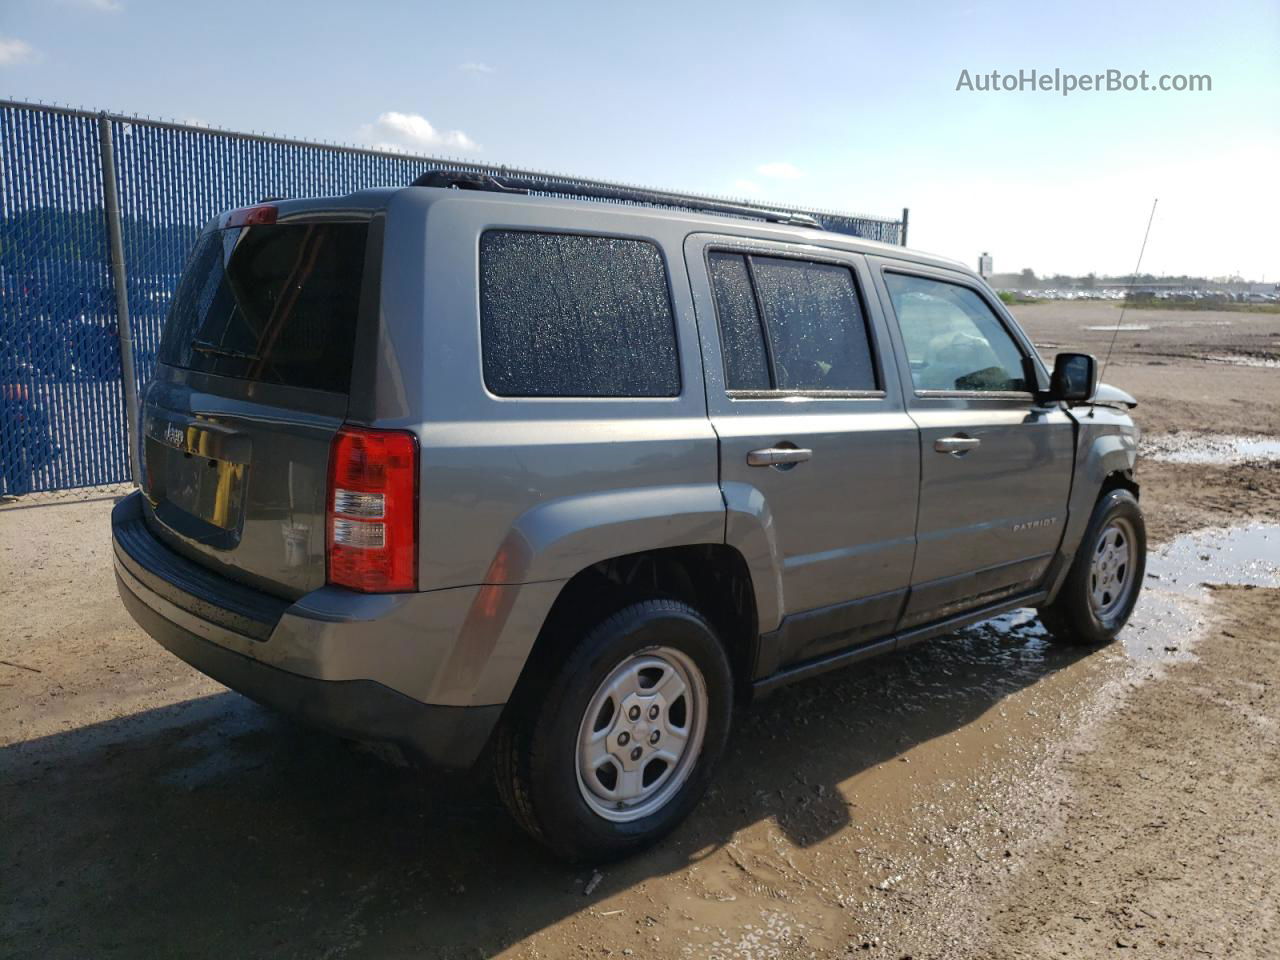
616 747
1102 587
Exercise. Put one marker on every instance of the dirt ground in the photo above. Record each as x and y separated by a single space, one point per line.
984 795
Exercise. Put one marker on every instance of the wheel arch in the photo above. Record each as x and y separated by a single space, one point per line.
1119 480
713 578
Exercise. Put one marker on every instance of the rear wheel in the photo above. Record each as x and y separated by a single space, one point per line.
1106 575
616 747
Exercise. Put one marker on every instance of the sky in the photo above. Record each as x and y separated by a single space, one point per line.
847 106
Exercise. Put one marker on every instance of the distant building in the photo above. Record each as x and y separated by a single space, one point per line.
984 266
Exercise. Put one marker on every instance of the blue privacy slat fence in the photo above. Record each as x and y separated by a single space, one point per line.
62 398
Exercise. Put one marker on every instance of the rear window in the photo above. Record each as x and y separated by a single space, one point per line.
813 337
272 303
815 324
575 316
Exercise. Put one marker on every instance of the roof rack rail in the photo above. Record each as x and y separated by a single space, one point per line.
530 183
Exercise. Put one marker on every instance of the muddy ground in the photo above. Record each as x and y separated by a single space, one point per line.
984 795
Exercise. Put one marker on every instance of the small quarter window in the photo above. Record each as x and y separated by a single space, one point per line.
575 316
954 341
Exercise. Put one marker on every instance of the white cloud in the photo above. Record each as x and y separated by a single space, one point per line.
780 170
475 66
411 131
102 6
13 50
749 187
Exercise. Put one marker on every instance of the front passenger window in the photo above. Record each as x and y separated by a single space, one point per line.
954 341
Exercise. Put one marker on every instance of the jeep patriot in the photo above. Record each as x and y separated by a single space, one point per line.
556 482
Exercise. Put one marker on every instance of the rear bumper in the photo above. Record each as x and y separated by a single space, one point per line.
171 599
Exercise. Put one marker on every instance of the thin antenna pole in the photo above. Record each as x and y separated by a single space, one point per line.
1132 280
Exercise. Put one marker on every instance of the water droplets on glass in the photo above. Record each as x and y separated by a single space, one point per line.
575 316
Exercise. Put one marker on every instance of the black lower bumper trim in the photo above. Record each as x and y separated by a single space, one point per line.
360 709
199 591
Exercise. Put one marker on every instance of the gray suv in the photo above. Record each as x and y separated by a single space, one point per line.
557 483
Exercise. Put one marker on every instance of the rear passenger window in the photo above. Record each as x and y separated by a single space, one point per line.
575 316
814 336
815 325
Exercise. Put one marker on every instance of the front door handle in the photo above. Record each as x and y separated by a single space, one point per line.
777 456
957 444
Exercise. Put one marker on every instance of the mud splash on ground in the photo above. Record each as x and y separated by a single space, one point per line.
1242 360
1035 732
863 807
1212 449
1168 831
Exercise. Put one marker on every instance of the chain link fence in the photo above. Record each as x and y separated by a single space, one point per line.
73 323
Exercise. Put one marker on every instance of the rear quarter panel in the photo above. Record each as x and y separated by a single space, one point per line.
519 490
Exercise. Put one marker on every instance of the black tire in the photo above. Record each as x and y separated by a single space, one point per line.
1072 617
536 747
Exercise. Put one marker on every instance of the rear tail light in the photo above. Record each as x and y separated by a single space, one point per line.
372 537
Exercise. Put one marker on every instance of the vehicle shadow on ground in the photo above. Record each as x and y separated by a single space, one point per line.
214 828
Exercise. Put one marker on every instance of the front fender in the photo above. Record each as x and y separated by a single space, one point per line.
1107 443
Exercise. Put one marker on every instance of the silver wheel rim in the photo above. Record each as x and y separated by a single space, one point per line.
1111 569
641 734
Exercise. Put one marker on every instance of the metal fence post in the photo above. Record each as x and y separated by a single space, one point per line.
111 200
905 214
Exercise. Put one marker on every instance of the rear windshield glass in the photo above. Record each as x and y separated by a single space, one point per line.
272 303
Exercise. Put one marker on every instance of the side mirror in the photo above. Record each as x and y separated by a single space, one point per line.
1075 377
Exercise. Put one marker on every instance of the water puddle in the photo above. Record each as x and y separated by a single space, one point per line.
1241 360
884 781
1238 557
1131 327
1171 608
1219 449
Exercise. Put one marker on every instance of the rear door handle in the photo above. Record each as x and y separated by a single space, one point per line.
775 456
956 444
